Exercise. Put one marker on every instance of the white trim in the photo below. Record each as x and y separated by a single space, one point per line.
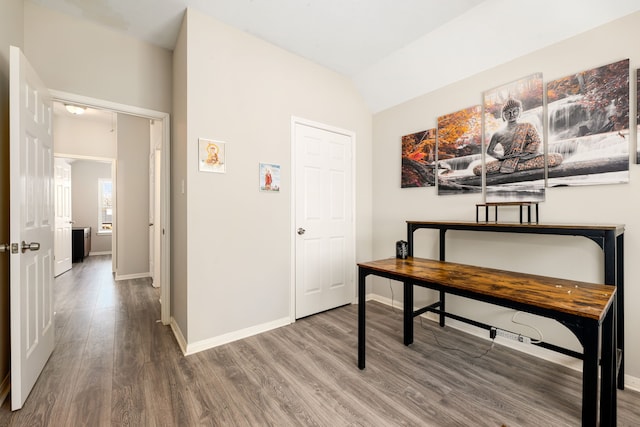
165 220
177 332
292 204
630 382
132 276
99 253
234 336
5 388
81 157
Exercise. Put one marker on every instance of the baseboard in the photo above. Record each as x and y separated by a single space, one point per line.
100 253
132 276
630 382
209 343
5 388
177 332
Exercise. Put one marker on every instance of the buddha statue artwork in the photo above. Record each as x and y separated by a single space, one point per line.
517 146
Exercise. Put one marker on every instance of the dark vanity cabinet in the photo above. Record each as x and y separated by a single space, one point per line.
80 243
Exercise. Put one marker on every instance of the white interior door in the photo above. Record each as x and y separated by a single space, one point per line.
152 212
32 223
157 238
62 237
324 245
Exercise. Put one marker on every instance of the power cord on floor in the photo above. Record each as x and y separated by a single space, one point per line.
467 354
472 356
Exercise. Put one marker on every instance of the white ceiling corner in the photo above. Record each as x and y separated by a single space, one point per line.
394 50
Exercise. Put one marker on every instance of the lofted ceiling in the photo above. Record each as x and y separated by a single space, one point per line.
393 50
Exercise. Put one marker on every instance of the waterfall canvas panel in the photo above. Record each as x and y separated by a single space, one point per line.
459 151
418 159
588 115
514 161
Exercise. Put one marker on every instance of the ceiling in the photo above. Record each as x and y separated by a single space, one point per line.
393 50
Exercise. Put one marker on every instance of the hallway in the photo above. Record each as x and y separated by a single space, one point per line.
107 339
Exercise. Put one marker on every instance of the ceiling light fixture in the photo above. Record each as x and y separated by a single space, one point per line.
75 109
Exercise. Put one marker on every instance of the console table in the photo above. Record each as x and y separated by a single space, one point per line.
610 238
587 309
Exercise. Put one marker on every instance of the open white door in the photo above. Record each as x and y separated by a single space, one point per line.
31 228
324 241
62 238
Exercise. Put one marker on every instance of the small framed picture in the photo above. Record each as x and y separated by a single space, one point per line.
211 156
269 177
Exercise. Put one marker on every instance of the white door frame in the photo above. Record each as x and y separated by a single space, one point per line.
112 164
165 223
294 121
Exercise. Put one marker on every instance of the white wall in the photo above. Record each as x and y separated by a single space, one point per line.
179 279
87 135
132 197
244 91
77 56
566 257
85 175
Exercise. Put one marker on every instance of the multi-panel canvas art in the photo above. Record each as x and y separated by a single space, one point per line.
514 161
418 159
513 146
638 114
459 151
588 116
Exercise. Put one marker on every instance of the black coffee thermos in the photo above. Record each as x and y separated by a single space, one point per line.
402 249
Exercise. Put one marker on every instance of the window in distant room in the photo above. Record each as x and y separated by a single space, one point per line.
105 206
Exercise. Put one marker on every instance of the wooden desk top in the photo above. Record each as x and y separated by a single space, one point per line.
587 300
505 226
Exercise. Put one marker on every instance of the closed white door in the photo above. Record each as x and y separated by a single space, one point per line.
324 226
152 211
31 228
62 237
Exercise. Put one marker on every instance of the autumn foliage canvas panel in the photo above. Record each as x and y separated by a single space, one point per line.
459 150
418 159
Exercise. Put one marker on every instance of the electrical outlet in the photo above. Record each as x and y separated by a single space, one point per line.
524 339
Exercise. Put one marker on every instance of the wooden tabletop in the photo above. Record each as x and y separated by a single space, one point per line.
588 300
618 228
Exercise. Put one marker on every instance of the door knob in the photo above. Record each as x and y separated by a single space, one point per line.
4 247
301 231
33 246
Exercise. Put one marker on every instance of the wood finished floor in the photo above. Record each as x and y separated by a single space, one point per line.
114 364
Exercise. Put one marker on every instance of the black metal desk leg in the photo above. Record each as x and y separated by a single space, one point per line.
590 375
408 313
361 317
619 316
442 308
608 389
520 214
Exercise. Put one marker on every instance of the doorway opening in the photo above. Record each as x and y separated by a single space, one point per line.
323 212
159 145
